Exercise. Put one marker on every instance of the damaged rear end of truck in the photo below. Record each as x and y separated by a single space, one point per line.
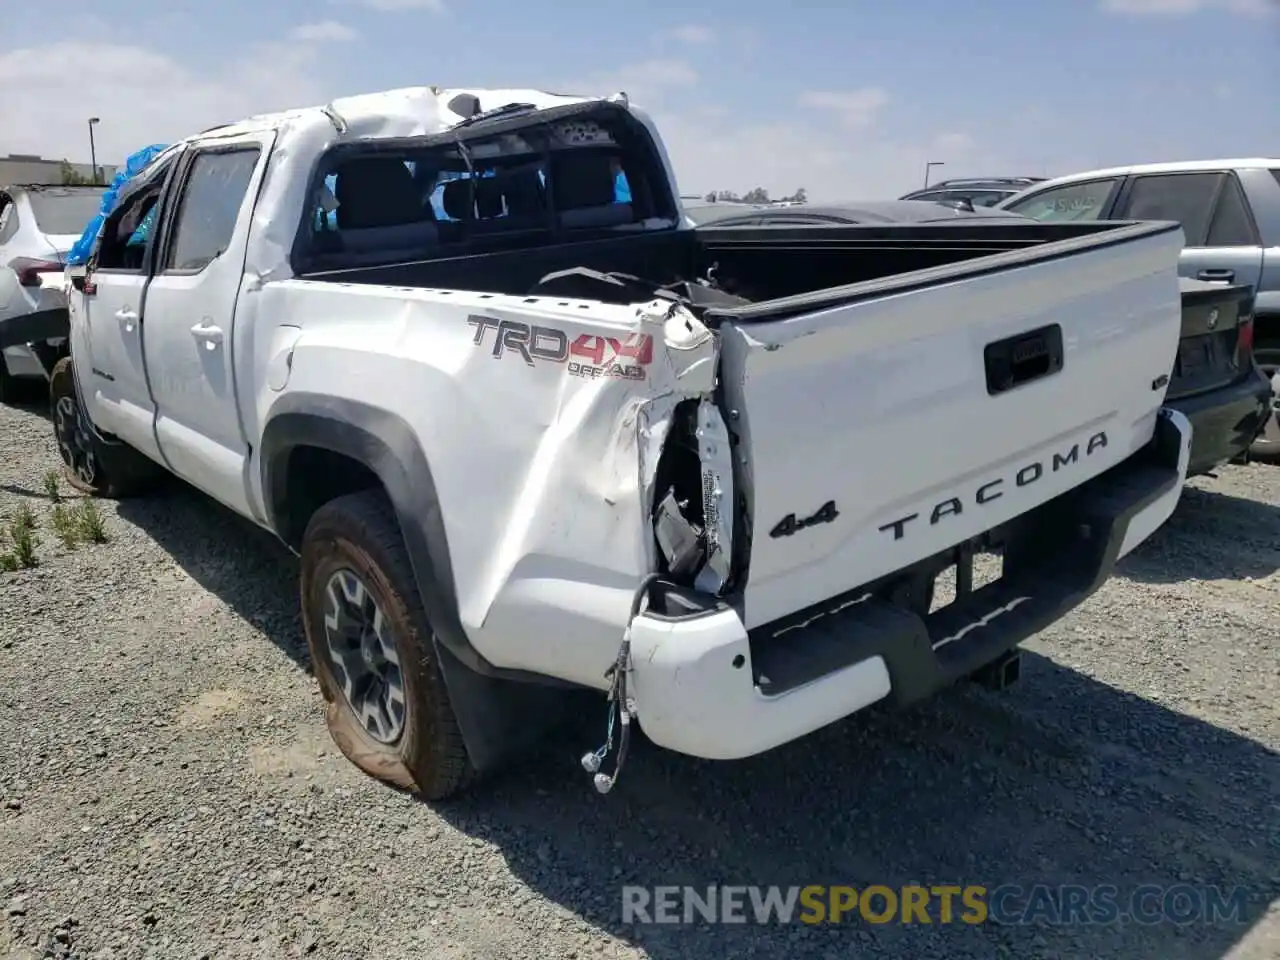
861 446
719 473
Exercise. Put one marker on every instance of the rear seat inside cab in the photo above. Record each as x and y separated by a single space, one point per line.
381 210
382 213
507 202
584 186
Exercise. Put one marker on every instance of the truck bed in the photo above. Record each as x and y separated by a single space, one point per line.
789 268
892 392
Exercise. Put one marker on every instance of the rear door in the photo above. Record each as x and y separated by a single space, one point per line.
931 407
1222 240
191 307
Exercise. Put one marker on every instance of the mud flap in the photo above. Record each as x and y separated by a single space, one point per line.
501 720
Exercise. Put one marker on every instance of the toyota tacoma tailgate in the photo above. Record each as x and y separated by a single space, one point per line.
923 410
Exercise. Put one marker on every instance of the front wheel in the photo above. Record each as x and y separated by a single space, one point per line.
91 466
373 651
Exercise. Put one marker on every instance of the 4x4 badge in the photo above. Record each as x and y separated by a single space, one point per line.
789 525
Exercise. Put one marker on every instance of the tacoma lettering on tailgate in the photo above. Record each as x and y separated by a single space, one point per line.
587 356
989 491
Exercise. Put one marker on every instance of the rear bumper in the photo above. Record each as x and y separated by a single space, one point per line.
35 326
704 686
1225 422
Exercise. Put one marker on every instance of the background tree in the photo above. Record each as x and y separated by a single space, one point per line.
755 196
71 177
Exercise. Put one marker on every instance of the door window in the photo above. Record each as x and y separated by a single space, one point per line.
1183 197
210 206
1231 225
127 234
1070 202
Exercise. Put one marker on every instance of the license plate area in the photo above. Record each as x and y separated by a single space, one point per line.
1193 357
1203 362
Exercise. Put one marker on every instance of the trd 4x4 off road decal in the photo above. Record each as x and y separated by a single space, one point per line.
587 356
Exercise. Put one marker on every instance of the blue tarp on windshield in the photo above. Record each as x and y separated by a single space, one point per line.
133 166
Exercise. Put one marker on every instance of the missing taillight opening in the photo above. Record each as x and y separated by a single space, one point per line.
693 512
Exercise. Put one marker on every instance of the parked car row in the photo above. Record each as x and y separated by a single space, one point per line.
1230 214
1215 380
38 226
1229 210
979 192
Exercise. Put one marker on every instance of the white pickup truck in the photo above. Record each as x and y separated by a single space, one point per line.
529 436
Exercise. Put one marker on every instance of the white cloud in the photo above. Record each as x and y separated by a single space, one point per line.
711 147
714 149
857 108
692 33
118 82
325 31
1182 8
954 142
649 81
398 6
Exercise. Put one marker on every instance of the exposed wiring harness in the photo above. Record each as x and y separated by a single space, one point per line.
621 705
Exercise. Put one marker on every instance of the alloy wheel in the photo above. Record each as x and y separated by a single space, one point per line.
74 441
363 655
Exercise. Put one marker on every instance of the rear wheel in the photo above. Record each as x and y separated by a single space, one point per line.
91 466
373 650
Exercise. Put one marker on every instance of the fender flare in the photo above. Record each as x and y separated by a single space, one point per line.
498 710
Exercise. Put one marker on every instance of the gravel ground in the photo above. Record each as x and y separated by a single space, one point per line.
168 790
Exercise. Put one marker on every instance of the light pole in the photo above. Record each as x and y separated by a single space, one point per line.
93 153
929 166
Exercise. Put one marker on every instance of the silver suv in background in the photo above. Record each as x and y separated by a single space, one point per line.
1230 214
39 224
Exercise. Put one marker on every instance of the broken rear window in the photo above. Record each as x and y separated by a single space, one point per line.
446 198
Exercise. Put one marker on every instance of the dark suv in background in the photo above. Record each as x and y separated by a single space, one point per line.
977 191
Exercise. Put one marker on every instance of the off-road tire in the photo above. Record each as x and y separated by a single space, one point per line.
113 471
359 532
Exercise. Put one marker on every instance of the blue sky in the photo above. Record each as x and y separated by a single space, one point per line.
848 100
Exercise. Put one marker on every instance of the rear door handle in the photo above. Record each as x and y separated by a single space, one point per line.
1219 276
128 319
207 334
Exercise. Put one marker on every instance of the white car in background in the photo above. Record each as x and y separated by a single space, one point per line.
39 224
